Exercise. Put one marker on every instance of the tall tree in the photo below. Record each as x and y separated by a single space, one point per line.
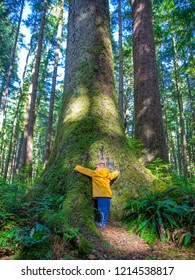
89 128
120 43
5 93
15 121
27 149
148 112
181 113
54 78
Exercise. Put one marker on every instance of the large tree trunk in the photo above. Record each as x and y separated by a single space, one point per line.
148 113
89 128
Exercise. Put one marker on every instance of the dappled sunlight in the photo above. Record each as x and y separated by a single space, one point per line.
146 104
87 13
106 110
148 132
138 20
78 108
122 244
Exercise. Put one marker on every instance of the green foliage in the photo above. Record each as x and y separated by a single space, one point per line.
136 146
160 169
160 215
8 236
31 236
31 220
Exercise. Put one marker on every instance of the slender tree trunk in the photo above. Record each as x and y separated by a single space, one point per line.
5 93
13 161
192 123
53 90
120 43
127 112
11 144
43 77
179 156
148 112
173 153
19 154
16 114
2 150
89 127
191 103
1 92
27 149
181 114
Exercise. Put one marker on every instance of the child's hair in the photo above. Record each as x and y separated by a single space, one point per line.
102 164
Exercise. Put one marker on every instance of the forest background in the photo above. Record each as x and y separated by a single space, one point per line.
42 82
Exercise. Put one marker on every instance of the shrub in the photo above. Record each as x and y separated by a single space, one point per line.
159 215
31 220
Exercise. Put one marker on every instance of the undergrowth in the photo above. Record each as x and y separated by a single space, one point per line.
31 223
168 214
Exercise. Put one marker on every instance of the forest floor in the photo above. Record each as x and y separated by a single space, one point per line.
118 244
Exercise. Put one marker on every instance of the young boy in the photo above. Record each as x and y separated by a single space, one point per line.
101 190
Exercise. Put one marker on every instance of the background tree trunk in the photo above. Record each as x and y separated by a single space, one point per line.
27 149
181 113
148 113
89 128
120 42
54 78
5 93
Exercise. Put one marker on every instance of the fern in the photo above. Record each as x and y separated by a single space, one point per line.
159 214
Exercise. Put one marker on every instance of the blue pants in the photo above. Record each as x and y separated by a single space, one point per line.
103 204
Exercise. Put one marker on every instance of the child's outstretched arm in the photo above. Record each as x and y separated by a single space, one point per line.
85 171
114 174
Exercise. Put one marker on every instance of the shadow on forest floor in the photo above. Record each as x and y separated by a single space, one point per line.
120 245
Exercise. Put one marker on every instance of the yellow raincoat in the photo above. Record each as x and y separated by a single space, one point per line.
100 180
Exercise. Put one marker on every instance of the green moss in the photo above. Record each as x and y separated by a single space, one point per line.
90 130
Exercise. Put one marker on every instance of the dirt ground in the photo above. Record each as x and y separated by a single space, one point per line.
120 244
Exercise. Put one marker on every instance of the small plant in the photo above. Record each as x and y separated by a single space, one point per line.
160 169
136 146
31 236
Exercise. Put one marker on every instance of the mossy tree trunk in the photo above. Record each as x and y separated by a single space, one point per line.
89 127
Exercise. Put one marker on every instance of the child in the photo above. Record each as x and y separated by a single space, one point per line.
101 190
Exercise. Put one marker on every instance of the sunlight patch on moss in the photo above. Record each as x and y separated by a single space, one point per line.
78 107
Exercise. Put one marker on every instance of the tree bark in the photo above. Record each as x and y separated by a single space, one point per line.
192 123
27 149
16 114
181 114
120 42
54 78
148 112
89 127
